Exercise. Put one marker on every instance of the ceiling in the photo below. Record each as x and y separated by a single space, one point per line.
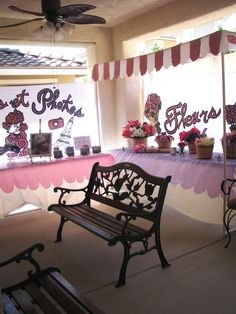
114 12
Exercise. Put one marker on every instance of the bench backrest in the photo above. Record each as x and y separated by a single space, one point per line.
128 188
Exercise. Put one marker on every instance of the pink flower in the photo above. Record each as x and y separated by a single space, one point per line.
136 129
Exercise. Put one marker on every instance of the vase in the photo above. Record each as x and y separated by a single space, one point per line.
138 140
164 145
192 148
204 152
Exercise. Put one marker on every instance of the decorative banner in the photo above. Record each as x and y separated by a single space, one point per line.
215 43
65 110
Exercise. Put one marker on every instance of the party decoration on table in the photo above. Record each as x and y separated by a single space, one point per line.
96 149
190 137
40 144
136 129
204 147
181 146
16 143
70 151
140 148
164 140
138 132
230 116
57 153
80 141
151 110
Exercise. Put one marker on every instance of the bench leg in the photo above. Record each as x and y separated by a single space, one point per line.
163 260
121 282
59 230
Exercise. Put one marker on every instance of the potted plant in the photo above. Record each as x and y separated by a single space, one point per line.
204 147
138 131
190 137
164 140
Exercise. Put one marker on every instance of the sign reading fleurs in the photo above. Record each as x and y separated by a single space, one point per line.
177 117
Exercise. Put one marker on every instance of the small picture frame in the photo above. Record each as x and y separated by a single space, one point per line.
81 141
40 144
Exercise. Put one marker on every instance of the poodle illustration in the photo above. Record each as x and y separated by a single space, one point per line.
16 143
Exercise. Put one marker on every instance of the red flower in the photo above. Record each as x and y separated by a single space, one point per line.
190 136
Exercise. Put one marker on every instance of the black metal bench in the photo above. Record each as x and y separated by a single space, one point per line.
43 291
134 193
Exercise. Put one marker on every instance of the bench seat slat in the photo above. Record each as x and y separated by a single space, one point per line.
24 301
109 222
97 222
76 294
9 306
42 300
64 299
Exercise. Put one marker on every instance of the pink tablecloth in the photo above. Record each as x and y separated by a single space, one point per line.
33 183
195 187
32 175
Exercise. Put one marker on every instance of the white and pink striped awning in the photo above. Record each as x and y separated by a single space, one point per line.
215 43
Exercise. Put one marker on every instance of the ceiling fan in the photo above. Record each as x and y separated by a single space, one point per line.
58 15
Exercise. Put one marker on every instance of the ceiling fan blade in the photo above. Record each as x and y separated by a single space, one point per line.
12 7
75 9
21 23
84 19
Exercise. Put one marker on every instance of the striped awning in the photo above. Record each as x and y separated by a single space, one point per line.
212 44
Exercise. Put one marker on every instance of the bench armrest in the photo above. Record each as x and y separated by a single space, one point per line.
226 187
27 256
131 216
63 191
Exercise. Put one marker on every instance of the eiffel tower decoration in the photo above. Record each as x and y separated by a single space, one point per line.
65 137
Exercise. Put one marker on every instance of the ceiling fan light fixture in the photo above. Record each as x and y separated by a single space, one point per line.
67 29
49 31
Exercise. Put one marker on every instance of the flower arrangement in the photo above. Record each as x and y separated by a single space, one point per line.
230 115
136 129
205 141
163 138
151 110
190 136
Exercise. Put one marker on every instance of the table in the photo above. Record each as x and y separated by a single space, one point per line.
194 189
27 182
